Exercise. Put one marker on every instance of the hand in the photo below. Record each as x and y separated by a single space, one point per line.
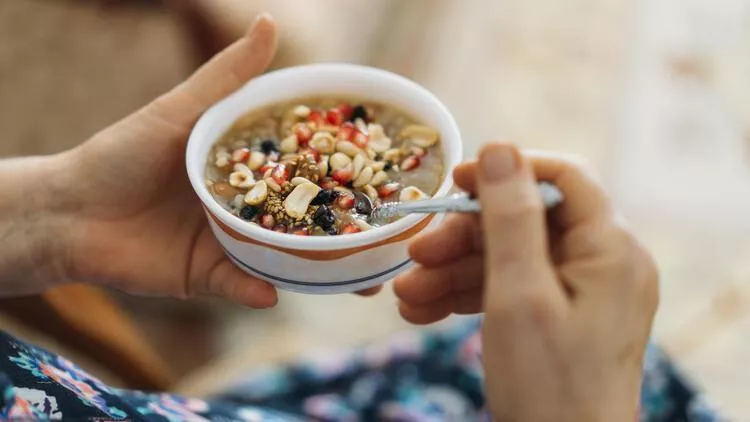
133 220
568 301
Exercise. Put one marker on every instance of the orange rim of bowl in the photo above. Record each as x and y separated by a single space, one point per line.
324 255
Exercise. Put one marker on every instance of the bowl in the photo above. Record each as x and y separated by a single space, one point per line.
312 264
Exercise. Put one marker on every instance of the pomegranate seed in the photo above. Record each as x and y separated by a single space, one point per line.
334 117
303 133
280 228
350 229
388 189
419 152
346 131
266 167
241 155
280 174
316 116
301 231
410 163
267 221
361 139
344 175
346 110
345 201
328 183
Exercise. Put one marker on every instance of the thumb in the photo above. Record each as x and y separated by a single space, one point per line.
219 77
513 222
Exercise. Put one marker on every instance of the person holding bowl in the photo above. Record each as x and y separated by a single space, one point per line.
568 298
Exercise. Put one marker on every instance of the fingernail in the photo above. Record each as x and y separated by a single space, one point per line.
498 161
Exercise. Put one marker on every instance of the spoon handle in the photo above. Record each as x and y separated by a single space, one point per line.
462 203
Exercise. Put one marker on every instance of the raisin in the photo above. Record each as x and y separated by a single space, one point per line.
324 197
331 230
249 212
359 112
324 217
388 166
268 146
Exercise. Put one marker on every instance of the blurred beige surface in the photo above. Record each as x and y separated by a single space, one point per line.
638 88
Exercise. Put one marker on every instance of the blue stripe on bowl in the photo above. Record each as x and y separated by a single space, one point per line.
307 283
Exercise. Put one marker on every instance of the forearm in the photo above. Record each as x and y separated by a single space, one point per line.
32 234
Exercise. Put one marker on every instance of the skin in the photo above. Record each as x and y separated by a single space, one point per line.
568 296
118 210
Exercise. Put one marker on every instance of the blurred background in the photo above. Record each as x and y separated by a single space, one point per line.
655 95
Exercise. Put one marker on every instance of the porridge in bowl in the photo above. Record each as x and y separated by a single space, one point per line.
299 167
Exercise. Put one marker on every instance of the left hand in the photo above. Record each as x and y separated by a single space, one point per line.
134 222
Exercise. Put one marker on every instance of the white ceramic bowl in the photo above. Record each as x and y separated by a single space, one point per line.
309 264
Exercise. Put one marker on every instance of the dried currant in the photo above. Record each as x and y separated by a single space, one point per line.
359 112
249 212
324 217
325 197
268 146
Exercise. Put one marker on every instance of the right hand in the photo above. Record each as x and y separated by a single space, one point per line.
568 301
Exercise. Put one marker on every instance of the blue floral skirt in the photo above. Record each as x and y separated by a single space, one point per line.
416 376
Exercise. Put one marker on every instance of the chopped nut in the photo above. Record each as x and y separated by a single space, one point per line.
419 135
299 180
377 166
257 194
289 158
371 154
302 111
359 163
323 165
237 202
223 158
370 191
242 177
348 148
393 155
257 160
361 125
339 160
323 142
379 142
410 163
411 193
289 144
297 202
379 178
307 168
364 177
272 184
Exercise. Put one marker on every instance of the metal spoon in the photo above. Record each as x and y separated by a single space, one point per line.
460 202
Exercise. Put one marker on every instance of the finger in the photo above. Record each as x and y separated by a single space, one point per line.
513 220
584 199
458 236
463 303
465 176
421 285
372 291
227 281
222 75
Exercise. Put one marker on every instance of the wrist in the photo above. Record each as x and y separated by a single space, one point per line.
33 235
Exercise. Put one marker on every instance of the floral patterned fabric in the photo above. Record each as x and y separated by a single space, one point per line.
435 376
